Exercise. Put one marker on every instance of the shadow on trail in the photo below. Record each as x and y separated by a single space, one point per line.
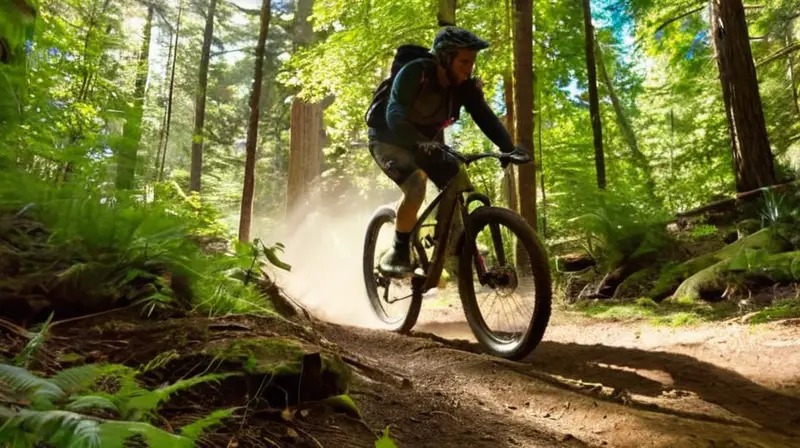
621 368
713 384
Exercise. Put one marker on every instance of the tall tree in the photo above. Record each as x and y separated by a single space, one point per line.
594 103
170 95
305 152
132 132
639 159
752 156
248 189
510 175
523 94
198 136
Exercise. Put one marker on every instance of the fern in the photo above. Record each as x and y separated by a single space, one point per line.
114 434
86 402
41 391
77 378
24 357
69 429
60 428
196 429
143 402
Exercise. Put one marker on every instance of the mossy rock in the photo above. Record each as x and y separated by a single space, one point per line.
673 275
638 284
752 268
278 356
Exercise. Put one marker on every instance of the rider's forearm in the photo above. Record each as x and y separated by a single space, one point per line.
487 121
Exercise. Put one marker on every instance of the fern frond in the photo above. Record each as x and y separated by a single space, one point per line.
36 389
76 378
91 402
114 434
196 429
24 357
145 401
59 428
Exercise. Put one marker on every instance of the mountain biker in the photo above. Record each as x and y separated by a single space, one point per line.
426 97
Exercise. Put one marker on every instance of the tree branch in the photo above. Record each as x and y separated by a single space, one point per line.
219 53
250 12
783 52
675 19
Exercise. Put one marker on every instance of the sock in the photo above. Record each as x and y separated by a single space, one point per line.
402 239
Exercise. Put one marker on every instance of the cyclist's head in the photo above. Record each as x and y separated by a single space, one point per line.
456 49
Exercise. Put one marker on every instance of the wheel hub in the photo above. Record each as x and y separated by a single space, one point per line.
502 278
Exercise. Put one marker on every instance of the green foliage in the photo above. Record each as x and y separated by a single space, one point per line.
62 410
385 441
615 233
703 230
784 309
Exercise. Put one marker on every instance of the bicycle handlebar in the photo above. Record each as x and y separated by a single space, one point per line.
503 157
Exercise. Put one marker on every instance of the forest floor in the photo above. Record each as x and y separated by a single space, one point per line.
597 383
589 383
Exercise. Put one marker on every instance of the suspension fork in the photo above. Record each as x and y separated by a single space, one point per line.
494 229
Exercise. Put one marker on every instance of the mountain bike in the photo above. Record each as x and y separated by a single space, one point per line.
486 262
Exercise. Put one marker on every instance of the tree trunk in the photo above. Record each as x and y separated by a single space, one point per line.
200 101
509 176
132 132
304 156
523 94
252 131
171 91
162 131
594 103
447 13
790 69
639 159
752 157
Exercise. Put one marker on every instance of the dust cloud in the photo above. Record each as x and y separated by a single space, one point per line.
324 242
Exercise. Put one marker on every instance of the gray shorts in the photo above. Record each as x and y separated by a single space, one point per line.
400 163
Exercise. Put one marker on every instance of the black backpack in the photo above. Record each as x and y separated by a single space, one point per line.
376 113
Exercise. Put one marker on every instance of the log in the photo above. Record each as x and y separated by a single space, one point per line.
730 204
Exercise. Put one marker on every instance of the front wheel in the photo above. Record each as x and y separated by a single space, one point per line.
514 277
395 302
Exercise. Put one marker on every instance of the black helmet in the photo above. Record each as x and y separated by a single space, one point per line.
454 38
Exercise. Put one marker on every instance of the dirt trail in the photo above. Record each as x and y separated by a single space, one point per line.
607 384
590 383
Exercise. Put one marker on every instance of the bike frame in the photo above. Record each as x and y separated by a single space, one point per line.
451 200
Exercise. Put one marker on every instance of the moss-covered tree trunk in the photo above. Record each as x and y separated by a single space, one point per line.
594 102
752 156
198 136
252 130
132 132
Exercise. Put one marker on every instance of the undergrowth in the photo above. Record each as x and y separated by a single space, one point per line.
662 314
91 406
114 239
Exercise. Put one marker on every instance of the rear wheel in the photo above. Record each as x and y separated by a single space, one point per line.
395 302
511 279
